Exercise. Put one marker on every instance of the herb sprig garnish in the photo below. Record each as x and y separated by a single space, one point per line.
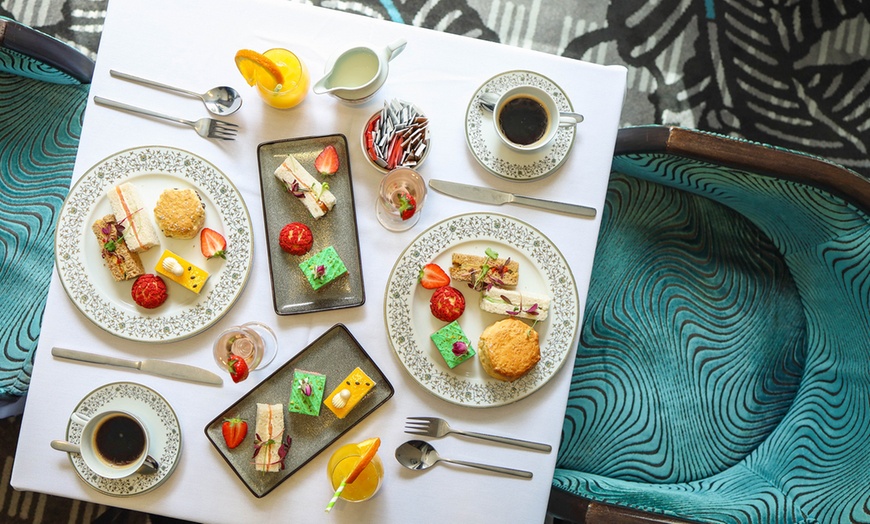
282 451
491 272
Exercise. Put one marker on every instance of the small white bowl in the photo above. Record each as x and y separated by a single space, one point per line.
366 131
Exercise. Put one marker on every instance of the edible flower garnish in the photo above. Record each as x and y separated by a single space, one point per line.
516 310
282 451
296 189
460 348
305 387
490 275
320 271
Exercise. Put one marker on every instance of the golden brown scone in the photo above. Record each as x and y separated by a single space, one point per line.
179 213
467 267
508 349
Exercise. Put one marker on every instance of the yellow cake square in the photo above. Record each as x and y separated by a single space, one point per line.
179 270
348 393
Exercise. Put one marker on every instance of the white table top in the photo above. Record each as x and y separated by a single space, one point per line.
178 43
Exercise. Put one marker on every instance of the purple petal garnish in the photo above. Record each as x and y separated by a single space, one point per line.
460 348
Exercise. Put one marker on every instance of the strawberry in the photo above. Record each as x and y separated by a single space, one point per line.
234 431
433 277
238 368
212 244
327 162
407 205
447 303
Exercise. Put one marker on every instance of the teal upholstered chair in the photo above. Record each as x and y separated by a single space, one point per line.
723 372
43 90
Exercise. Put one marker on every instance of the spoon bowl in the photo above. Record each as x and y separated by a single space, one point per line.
420 455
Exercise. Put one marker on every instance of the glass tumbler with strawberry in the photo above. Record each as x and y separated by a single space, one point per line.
401 195
239 350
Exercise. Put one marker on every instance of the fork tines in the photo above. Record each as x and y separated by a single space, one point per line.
418 425
224 130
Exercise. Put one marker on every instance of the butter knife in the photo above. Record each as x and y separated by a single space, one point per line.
487 195
161 368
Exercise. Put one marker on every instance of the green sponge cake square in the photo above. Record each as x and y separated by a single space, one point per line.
307 392
323 268
453 345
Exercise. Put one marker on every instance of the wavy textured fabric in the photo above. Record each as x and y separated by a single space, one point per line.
40 123
723 373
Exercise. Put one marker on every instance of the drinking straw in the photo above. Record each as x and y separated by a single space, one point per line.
334 498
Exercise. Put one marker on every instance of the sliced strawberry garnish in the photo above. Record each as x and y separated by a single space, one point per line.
212 244
407 205
238 368
432 277
234 431
327 161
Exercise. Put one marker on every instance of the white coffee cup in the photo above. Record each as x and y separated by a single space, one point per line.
114 444
527 118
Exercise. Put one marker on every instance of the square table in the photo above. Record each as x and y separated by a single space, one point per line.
191 44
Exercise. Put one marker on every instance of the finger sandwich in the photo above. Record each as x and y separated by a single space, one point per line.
298 181
130 213
515 303
270 434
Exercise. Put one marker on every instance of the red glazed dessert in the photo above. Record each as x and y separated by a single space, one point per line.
447 303
149 291
296 238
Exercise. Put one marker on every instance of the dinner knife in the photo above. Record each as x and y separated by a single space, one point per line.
486 195
161 368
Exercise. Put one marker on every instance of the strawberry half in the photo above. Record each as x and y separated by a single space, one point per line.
327 162
407 205
238 368
432 277
234 431
212 244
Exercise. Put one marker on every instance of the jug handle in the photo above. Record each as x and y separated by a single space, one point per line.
396 48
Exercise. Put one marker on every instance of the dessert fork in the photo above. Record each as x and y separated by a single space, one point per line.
204 127
438 427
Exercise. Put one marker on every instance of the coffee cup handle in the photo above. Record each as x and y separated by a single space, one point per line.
78 418
396 48
149 467
567 119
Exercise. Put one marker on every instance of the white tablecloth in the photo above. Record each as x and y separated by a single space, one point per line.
192 44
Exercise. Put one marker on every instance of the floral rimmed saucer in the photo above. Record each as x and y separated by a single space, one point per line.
164 433
497 158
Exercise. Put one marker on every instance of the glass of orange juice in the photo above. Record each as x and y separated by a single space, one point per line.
343 461
280 76
296 80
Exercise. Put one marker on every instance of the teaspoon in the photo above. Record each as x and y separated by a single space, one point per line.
488 101
419 455
221 100
149 467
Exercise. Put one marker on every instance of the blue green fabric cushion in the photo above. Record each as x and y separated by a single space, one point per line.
41 112
723 373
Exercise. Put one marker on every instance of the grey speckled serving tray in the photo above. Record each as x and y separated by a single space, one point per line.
335 354
291 292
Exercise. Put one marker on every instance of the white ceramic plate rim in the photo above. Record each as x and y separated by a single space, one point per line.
414 348
122 319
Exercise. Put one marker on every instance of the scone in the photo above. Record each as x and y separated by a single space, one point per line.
508 349
179 213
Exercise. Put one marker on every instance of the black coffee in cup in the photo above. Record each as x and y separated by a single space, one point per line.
523 120
119 440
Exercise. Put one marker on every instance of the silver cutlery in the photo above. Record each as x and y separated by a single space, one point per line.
161 368
486 195
205 127
438 427
420 455
220 100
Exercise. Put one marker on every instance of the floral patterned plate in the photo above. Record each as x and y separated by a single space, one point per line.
164 433
499 159
409 322
109 304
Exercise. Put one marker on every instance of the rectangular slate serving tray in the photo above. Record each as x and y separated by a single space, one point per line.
291 292
335 354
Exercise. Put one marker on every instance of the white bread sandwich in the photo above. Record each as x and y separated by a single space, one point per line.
269 435
315 196
511 302
139 233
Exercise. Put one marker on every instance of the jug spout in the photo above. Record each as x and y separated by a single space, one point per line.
323 86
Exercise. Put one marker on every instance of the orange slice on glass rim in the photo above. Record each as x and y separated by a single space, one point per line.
373 445
257 69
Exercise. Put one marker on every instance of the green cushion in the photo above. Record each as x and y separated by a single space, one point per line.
723 373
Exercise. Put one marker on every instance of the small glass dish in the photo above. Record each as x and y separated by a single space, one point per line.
403 142
255 342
